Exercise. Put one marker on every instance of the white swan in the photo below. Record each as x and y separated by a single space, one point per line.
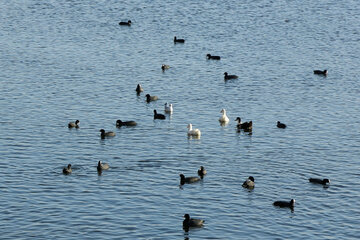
193 132
168 108
223 118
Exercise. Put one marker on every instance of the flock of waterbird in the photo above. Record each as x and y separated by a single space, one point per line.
245 126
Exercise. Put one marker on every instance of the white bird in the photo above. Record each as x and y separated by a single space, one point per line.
223 118
168 108
193 132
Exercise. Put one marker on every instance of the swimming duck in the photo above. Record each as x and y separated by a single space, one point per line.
202 172
184 179
192 222
168 108
319 181
150 98
284 204
281 125
223 118
212 57
120 123
106 134
193 132
139 89
67 170
227 77
128 23
178 40
102 166
320 72
164 67
249 183
244 125
158 115
74 124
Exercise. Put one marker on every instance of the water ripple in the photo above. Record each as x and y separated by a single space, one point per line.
69 60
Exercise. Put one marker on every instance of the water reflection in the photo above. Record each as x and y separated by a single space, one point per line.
246 132
193 137
223 124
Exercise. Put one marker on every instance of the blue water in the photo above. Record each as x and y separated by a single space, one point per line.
67 60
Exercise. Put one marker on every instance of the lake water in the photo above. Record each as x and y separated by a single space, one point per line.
67 60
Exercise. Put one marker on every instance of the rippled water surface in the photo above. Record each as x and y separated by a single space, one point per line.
67 60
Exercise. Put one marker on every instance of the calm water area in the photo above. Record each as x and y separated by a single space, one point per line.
63 60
